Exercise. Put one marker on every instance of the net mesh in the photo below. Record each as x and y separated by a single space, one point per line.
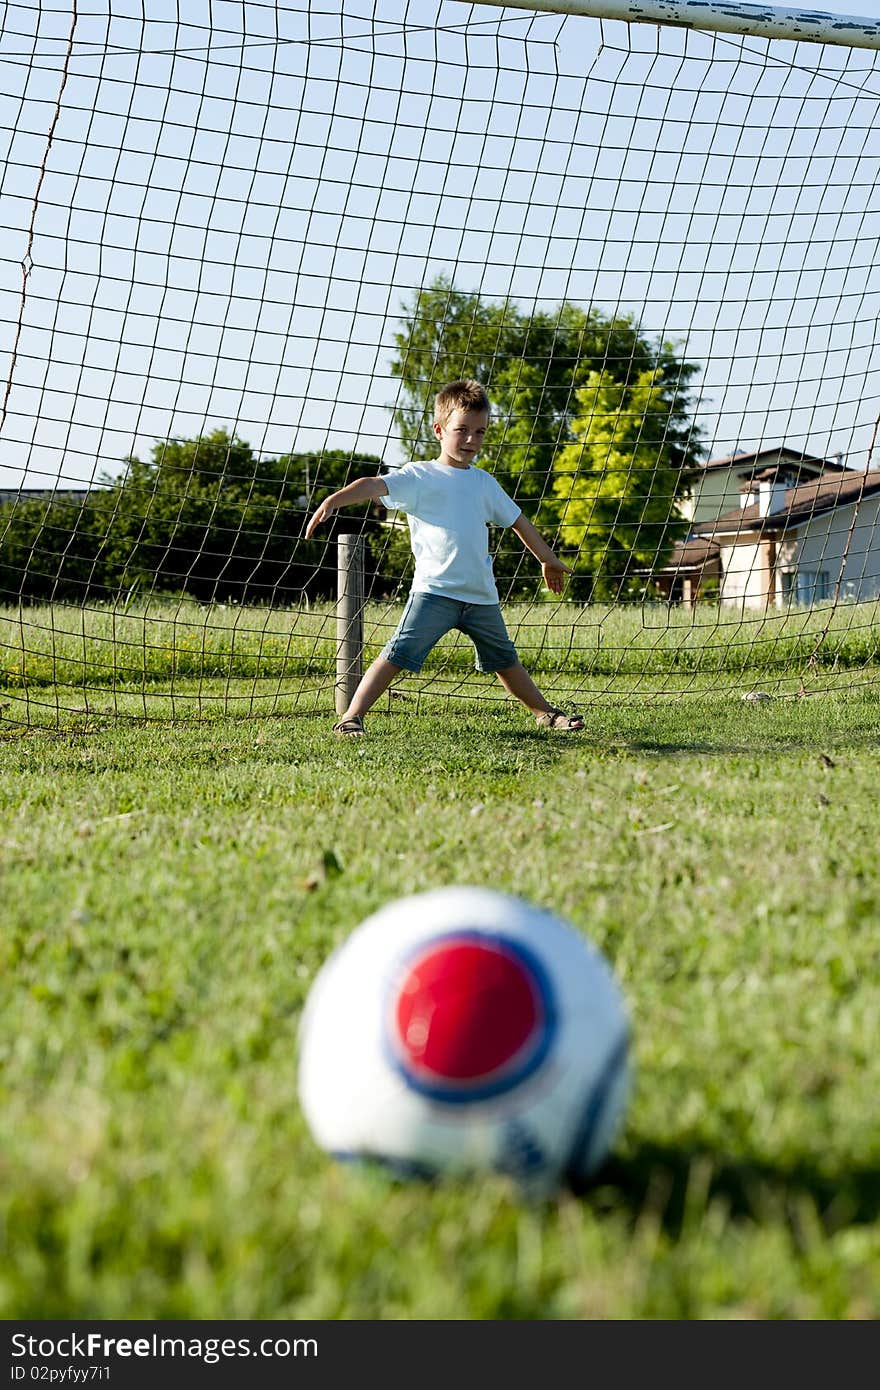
246 244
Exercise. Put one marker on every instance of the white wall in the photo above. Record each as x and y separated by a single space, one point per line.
717 490
819 547
745 576
715 493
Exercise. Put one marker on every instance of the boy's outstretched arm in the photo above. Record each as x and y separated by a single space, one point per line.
362 490
553 568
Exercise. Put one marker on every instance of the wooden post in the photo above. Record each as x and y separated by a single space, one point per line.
349 618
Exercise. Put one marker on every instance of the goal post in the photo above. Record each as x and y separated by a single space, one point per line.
241 257
719 16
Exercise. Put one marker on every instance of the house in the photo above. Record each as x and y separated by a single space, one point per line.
803 529
718 488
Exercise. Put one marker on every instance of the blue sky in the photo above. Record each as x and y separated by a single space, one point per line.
233 211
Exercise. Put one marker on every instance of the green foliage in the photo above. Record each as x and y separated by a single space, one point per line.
54 546
541 369
391 558
205 518
202 517
615 485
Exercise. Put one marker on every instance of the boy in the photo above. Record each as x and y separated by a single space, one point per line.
449 503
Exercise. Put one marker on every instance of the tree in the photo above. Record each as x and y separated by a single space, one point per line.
206 517
50 547
201 516
616 484
534 365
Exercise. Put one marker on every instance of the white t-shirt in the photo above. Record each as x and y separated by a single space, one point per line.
448 510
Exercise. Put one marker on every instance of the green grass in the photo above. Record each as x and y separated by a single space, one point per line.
285 653
170 890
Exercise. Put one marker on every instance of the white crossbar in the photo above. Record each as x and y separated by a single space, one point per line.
760 21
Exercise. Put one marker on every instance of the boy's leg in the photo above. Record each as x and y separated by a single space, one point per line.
425 619
374 682
517 682
485 626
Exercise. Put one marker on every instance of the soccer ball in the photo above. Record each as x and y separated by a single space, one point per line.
463 1030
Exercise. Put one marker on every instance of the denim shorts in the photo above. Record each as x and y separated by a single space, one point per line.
428 617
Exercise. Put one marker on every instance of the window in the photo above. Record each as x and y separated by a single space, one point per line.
811 586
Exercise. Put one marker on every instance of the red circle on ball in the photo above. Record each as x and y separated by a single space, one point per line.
465 1009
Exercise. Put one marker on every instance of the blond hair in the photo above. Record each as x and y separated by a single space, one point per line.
465 394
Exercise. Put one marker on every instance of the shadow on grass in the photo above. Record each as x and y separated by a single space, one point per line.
677 1187
548 745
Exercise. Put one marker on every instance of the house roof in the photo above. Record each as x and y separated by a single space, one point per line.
761 459
696 553
784 469
800 504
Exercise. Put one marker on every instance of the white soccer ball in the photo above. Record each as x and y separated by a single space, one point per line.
464 1030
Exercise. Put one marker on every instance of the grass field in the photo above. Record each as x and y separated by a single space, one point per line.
161 640
170 890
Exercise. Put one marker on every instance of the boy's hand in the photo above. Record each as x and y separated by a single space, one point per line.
318 516
554 572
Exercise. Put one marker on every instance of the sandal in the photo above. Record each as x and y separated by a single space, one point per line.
350 728
556 719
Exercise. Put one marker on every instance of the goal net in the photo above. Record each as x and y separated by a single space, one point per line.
245 247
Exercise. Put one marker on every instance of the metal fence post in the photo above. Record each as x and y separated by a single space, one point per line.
349 618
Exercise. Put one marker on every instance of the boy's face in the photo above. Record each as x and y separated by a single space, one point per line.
461 436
